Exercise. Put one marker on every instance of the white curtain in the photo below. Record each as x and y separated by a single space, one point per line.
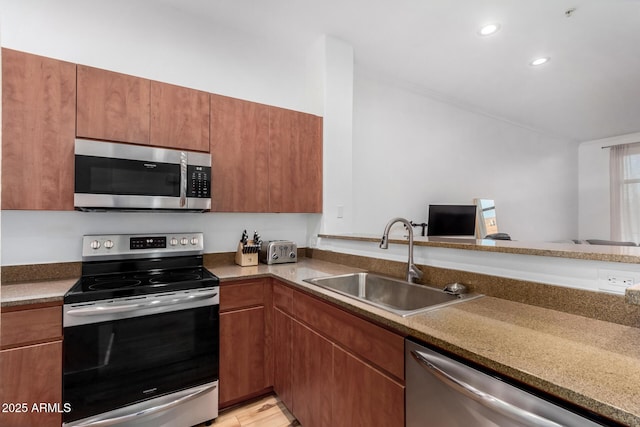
624 169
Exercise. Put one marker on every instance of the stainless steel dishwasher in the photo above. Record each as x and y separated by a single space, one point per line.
443 392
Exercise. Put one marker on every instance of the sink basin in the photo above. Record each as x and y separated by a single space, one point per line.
397 296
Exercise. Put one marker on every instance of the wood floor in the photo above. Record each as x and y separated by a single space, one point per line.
267 411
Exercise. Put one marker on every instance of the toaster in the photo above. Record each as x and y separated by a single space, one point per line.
278 252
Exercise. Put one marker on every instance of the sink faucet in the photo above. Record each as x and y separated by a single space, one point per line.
413 272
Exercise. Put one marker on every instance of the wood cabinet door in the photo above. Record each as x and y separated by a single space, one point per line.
242 354
179 117
239 155
312 378
32 375
38 132
295 161
112 106
282 357
362 396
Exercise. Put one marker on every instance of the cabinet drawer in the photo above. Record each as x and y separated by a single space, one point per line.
31 326
241 294
283 298
380 346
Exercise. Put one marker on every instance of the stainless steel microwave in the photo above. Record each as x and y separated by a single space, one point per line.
133 177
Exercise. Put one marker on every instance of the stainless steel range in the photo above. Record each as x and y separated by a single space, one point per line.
141 333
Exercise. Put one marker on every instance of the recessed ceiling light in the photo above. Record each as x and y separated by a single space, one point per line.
489 29
539 61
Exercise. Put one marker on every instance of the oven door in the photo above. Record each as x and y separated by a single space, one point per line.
111 364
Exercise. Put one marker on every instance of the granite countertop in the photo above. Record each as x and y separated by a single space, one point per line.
34 292
591 363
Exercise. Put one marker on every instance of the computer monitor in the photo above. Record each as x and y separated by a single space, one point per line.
451 220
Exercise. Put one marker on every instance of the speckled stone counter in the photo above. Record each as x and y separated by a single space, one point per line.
35 292
588 362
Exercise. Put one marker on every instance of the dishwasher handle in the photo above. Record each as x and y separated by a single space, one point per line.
485 399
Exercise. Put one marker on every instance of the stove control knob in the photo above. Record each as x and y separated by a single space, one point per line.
184 241
292 255
95 244
173 241
194 241
108 244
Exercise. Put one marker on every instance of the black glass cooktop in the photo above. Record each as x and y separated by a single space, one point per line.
120 279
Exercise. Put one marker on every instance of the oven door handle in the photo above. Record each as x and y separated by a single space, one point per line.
98 422
122 308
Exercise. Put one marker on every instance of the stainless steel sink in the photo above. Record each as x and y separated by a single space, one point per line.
397 296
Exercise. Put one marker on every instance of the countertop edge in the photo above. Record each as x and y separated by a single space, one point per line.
561 250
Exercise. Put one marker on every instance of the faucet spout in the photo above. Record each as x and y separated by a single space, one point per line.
413 272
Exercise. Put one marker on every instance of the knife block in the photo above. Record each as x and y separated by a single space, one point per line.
244 258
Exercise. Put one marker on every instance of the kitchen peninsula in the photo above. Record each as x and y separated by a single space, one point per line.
591 363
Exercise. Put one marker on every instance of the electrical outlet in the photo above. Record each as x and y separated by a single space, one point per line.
617 281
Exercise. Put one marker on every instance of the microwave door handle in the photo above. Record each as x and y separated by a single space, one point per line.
485 399
183 179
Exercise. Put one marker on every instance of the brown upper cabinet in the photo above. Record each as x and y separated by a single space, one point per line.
179 117
38 131
123 108
112 106
265 159
240 155
295 161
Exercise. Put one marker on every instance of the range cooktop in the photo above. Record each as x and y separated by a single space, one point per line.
122 266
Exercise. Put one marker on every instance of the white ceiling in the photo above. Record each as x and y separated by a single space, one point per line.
590 88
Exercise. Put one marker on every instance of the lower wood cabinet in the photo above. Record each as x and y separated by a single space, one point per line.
282 356
312 377
244 370
364 396
31 367
332 368
242 344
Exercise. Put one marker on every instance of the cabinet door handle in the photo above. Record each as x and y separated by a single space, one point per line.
485 399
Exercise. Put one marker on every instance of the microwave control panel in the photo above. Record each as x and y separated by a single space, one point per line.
199 182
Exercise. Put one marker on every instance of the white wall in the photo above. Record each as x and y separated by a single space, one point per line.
411 150
149 39
594 218
31 237
406 150
152 40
